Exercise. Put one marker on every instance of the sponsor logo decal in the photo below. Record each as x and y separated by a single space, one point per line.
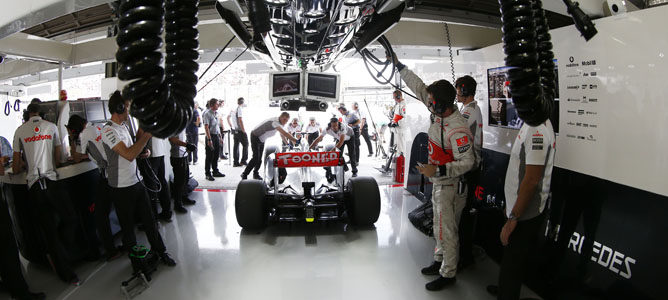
591 113
537 140
573 100
462 141
537 134
36 138
464 148
570 136
589 62
306 159
591 138
593 99
581 112
581 137
572 87
606 257
537 147
571 111
570 123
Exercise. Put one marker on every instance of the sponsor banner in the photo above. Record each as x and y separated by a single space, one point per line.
307 159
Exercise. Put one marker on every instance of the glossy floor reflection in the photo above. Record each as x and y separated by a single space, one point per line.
217 260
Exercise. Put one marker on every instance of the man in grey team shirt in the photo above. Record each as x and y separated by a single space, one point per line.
259 135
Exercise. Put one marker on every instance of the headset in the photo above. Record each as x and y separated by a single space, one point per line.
116 106
437 105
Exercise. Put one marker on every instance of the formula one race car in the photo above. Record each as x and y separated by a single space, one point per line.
295 189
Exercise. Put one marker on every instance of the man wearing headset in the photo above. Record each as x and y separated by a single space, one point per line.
466 87
450 157
127 190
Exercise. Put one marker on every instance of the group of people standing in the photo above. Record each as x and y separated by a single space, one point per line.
454 166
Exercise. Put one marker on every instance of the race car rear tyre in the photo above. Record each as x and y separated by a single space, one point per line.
364 201
250 204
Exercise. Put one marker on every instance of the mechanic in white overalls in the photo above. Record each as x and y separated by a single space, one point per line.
450 157
344 136
398 113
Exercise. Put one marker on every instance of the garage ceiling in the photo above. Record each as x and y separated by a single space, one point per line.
463 10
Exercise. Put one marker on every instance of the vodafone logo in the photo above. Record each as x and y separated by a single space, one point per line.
36 129
37 137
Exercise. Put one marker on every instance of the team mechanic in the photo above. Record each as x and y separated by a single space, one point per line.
344 136
450 157
466 87
398 113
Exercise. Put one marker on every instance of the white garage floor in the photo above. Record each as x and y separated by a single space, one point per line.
217 260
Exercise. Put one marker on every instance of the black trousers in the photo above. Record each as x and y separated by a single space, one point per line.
365 135
467 220
212 155
133 201
102 210
350 144
163 196
10 265
356 140
522 243
240 137
256 161
45 208
181 172
192 138
312 137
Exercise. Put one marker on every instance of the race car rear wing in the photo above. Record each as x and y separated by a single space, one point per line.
308 159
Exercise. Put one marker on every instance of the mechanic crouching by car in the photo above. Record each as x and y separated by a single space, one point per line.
259 135
127 189
344 135
450 156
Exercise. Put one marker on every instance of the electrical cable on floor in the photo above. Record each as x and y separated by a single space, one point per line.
223 70
216 58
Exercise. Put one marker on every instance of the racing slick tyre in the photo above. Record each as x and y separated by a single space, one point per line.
250 204
364 201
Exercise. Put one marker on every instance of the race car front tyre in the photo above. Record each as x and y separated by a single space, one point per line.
363 201
250 204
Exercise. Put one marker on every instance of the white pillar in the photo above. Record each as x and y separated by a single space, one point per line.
60 79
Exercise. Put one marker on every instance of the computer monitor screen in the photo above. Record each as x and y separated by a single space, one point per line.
77 108
50 111
95 111
286 84
322 85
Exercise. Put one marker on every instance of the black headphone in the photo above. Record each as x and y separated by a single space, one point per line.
438 107
464 90
116 106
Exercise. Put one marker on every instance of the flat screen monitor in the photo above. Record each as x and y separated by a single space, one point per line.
50 111
95 111
285 85
502 112
323 86
77 108
105 105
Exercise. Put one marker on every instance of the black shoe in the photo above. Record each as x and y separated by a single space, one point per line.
354 174
431 269
165 216
243 163
31 296
236 165
180 209
218 174
257 176
74 280
209 178
244 176
440 283
114 254
223 157
370 155
188 201
493 290
167 260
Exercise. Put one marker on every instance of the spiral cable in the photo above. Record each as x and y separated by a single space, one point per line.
452 61
161 99
529 51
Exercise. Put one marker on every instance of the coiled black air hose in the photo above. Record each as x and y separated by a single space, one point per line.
161 99
528 49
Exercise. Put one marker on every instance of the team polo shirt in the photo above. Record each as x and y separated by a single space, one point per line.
266 129
343 129
351 118
37 139
91 144
120 171
471 112
236 114
158 147
533 146
294 129
312 128
179 151
210 118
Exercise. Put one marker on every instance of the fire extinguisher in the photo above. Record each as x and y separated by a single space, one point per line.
399 169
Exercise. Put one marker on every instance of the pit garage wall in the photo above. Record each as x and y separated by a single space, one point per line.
610 182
